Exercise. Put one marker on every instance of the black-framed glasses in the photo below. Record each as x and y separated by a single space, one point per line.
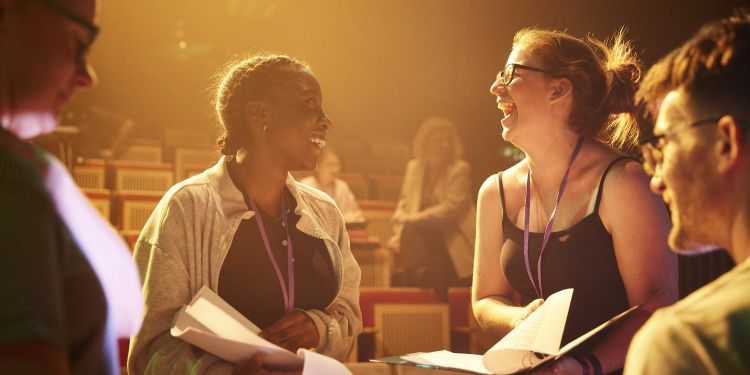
92 29
652 146
509 72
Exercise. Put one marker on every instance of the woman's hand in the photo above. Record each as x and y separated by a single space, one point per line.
293 331
533 305
254 366
564 366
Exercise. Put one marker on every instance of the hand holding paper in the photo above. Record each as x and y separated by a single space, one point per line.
211 324
293 331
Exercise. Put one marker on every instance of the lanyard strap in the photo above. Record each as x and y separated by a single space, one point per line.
548 230
288 295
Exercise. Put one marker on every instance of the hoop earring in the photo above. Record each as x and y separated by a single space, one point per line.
265 130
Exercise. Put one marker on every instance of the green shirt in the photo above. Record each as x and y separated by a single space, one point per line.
708 332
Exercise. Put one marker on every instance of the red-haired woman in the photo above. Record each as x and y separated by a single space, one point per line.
576 212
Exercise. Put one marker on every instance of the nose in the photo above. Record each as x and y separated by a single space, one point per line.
85 75
326 121
496 88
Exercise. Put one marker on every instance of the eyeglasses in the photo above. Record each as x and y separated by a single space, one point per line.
93 31
509 72
652 146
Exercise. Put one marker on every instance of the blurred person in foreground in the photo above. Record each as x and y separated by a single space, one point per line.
326 180
699 162
273 248
67 283
576 212
435 215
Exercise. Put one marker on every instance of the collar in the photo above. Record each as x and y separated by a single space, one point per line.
232 202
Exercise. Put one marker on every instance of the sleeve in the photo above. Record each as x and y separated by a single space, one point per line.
665 346
341 322
456 197
30 267
166 288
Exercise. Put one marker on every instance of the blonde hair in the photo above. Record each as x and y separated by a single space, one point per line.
604 76
434 125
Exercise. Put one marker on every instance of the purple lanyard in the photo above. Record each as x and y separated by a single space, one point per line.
288 296
548 230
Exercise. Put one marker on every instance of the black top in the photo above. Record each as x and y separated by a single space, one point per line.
580 257
247 279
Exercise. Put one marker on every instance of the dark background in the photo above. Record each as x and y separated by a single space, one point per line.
384 65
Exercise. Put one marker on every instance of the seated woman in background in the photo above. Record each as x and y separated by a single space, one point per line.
274 249
435 216
576 212
326 179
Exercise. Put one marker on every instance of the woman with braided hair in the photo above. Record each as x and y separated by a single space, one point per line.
271 247
576 212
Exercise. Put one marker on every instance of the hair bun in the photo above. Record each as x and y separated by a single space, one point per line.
623 83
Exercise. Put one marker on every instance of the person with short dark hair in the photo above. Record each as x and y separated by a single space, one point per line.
699 161
68 285
576 212
273 248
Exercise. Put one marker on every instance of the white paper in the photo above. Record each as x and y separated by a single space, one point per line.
234 351
317 364
225 320
540 332
449 360
211 324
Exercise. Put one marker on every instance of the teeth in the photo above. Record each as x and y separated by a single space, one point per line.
507 109
320 142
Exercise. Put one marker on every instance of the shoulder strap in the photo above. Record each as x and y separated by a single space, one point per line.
501 192
604 175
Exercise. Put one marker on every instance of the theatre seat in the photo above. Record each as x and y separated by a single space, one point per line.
466 335
370 298
409 328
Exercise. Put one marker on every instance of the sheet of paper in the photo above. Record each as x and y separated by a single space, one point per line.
211 324
541 332
316 364
449 360
234 351
224 320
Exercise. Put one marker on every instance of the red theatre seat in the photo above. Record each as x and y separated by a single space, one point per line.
369 297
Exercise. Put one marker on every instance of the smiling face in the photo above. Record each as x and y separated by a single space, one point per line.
685 176
297 125
43 79
522 100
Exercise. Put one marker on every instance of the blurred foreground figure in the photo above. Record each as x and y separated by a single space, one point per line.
326 179
699 161
67 283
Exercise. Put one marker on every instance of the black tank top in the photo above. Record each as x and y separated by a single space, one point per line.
580 257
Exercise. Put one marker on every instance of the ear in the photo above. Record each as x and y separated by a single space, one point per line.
559 89
730 146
